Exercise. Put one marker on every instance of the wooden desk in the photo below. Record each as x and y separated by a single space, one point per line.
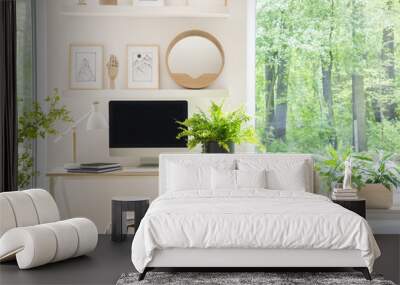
124 172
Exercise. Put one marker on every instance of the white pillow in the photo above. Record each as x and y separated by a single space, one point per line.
226 179
223 179
185 178
282 174
251 178
292 179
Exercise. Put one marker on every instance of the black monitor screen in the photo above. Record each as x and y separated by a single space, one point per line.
146 124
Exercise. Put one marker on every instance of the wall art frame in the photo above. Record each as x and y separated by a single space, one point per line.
86 66
143 67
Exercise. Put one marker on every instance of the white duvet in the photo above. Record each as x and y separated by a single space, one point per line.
250 219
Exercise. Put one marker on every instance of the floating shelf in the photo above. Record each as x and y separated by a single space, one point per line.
146 12
147 94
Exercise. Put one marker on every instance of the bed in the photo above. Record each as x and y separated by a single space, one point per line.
245 211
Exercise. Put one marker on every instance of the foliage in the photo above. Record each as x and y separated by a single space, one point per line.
223 128
380 168
377 167
35 124
331 167
310 34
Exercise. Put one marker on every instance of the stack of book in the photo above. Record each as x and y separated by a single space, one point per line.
344 194
94 168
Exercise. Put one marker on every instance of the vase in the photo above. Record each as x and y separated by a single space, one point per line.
214 147
377 196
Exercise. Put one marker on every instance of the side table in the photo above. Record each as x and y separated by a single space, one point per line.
357 206
121 205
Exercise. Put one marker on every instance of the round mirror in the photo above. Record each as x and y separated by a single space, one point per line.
195 59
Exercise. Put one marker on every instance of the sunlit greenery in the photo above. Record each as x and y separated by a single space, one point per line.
328 73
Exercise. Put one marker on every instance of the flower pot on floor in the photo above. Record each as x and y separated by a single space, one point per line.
377 196
214 147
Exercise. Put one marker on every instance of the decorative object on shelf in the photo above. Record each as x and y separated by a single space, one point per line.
344 194
148 3
195 59
108 2
82 2
143 67
218 131
347 175
112 69
95 121
86 67
331 167
381 173
35 124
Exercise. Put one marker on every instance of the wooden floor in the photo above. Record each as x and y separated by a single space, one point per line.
111 259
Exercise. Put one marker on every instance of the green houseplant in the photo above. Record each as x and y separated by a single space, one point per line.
217 131
381 174
33 124
330 167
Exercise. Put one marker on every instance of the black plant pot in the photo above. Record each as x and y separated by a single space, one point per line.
213 147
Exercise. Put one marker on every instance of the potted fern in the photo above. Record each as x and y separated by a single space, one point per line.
381 174
217 132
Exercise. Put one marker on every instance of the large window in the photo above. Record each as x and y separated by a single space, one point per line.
328 72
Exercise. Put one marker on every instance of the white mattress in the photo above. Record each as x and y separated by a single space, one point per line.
252 219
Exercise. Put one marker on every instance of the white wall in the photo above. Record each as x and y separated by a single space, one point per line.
91 197
114 34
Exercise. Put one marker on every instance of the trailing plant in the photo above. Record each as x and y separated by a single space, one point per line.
331 166
380 168
217 126
33 124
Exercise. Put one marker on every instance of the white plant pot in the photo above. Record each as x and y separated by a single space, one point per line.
377 196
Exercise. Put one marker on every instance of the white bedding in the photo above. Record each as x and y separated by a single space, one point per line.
250 219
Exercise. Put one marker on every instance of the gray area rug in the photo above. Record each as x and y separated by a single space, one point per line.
269 278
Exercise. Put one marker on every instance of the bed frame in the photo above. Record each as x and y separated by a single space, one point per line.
242 259
249 259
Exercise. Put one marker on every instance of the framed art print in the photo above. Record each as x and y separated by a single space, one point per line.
143 67
86 67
